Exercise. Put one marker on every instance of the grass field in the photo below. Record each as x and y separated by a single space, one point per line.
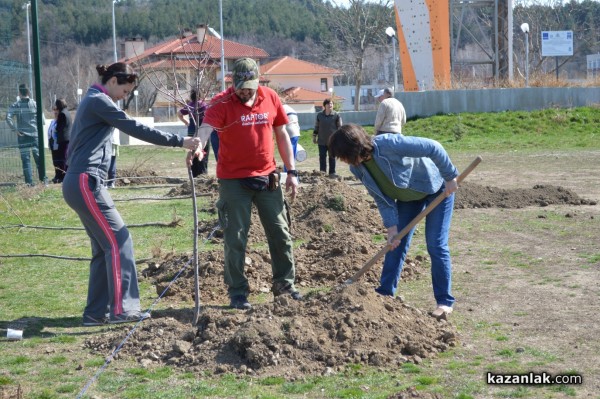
51 362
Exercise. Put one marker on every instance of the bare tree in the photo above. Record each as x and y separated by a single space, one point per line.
173 78
358 28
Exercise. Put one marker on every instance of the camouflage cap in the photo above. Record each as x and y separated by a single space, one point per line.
245 74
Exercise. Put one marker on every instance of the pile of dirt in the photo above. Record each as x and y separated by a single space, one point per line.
475 196
137 177
336 225
317 336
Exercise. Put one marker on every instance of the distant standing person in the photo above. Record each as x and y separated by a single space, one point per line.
21 118
327 122
293 128
113 284
194 110
404 175
52 141
391 115
63 135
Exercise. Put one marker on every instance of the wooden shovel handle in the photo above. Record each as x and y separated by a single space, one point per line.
412 224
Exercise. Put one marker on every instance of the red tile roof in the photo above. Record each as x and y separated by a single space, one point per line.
292 66
180 64
211 47
298 95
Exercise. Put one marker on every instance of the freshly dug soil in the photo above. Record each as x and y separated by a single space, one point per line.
338 229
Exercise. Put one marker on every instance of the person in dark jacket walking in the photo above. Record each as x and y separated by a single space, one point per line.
326 123
63 135
113 285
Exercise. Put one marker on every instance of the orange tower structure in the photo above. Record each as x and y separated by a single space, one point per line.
424 43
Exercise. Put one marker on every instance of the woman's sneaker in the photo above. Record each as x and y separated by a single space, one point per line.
91 321
129 317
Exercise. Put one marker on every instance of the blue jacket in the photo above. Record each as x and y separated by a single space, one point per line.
415 163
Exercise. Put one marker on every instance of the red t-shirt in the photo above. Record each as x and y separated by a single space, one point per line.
246 145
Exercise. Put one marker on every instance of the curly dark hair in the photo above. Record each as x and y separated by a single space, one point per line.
351 144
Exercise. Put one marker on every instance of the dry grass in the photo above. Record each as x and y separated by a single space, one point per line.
536 79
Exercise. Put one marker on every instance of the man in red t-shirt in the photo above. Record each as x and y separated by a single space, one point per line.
245 117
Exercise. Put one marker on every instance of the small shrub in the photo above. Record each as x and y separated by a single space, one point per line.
459 130
336 203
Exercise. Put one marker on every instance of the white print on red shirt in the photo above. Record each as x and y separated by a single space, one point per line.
255 119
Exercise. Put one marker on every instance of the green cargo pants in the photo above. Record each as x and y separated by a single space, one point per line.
235 209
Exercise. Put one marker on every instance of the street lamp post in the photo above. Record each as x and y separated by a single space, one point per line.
114 29
525 29
392 34
222 45
29 66
79 93
135 95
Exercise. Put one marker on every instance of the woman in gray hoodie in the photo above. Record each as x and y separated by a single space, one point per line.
113 293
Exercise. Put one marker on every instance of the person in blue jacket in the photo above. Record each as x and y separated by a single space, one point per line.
113 292
405 174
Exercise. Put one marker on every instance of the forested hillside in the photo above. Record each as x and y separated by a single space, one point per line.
90 21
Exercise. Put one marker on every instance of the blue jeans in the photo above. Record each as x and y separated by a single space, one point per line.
323 150
27 144
294 141
437 226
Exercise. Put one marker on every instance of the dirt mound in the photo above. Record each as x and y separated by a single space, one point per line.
135 177
476 196
319 335
338 229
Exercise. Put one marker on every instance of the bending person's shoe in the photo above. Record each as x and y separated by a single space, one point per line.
441 312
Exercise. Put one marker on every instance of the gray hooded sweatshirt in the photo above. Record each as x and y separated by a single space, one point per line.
90 148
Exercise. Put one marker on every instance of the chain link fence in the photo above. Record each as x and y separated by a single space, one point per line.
12 73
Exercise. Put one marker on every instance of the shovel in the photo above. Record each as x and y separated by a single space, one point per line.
412 224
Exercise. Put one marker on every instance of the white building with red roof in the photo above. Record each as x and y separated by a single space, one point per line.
169 70
303 85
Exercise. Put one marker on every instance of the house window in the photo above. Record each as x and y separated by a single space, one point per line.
323 84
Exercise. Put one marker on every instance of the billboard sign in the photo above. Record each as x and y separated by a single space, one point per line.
557 43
